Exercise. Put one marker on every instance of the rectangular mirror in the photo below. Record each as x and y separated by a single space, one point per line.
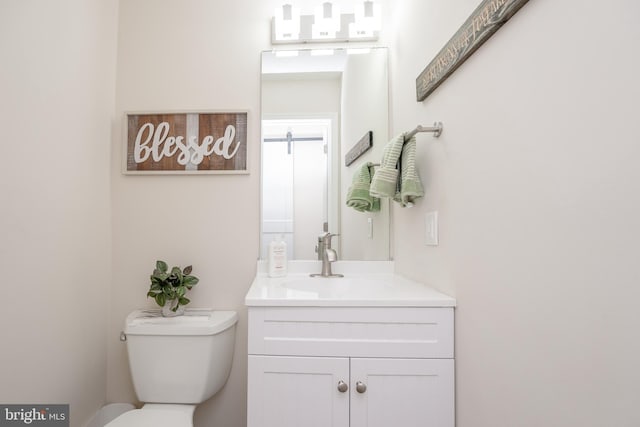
316 106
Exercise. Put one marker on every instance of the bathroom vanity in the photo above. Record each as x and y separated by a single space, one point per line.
370 350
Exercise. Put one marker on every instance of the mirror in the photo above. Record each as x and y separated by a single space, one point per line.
316 106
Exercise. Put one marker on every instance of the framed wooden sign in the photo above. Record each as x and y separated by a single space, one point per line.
186 143
359 148
488 17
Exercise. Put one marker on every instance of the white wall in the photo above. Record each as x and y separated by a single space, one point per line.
537 184
188 55
56 107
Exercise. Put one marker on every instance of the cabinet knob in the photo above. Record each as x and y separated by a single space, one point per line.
361 387
342 386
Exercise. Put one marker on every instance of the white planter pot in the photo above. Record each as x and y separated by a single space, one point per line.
167 309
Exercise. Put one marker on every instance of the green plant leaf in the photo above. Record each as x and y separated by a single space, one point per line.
191 280
160 300
181 290
176 273
187 270
169 292
162 266
160 276
184 301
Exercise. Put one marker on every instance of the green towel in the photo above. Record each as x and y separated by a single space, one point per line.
403 187
410 185
358 196
385 178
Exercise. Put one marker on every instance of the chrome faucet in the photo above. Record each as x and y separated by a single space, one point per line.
326 254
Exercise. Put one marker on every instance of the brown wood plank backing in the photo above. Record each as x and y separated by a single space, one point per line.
177 127
216 125
485 20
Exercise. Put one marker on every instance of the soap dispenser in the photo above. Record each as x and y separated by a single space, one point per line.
278 258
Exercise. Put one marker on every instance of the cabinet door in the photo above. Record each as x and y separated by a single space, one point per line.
402 392
297 392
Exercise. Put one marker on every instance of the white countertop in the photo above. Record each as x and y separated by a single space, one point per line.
366 284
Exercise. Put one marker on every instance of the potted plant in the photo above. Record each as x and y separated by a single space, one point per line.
168 288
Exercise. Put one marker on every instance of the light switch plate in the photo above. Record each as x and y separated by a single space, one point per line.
431 228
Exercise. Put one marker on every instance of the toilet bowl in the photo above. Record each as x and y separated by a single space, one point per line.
176 363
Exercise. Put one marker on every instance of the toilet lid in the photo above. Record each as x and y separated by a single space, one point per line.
152 418
195 321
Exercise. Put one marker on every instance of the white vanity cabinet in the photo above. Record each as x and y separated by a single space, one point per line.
350 366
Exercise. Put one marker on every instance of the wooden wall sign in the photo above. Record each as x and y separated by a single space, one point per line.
359 148
488 17
186 143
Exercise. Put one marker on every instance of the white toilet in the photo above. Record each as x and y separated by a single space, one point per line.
176 363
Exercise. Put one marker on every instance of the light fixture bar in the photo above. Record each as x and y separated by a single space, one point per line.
327 24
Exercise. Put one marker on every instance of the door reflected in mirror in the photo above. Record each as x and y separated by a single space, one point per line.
295 176
315 108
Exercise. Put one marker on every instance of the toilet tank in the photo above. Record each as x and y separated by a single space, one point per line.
184 359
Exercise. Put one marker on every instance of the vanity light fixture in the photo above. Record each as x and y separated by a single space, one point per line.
327 24
367 20
286 23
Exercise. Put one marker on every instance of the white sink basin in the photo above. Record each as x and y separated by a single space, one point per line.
371 288
335 286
